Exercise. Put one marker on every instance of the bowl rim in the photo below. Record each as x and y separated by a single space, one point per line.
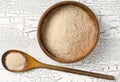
92 17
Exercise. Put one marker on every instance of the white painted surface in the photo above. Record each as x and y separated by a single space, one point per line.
18 25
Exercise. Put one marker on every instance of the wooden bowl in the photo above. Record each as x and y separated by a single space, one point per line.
92 18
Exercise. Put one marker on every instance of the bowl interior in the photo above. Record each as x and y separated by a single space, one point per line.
92 18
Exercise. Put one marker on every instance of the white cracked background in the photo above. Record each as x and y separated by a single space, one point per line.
18 25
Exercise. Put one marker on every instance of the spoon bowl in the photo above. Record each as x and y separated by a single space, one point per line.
32 63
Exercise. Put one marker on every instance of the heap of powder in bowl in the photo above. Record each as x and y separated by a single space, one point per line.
67 32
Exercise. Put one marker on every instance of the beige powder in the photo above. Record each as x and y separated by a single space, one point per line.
67 32
15 61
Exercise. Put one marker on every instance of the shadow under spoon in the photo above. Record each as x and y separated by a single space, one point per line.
32 63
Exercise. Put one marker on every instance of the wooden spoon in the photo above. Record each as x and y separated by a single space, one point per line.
33 63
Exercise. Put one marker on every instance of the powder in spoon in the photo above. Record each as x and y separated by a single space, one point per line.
15 61
67 32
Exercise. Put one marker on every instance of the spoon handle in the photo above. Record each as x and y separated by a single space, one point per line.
78 71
